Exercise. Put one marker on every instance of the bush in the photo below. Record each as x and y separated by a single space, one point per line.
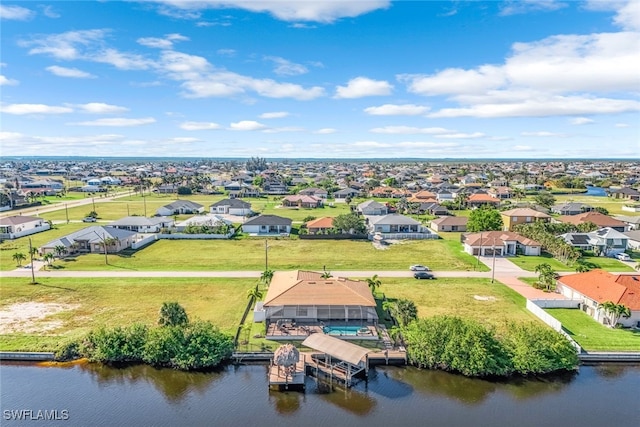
116 345
184 191
172 314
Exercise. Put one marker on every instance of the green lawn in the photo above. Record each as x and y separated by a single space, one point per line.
593 336
614 206
455 296
119 302
287 254
529 263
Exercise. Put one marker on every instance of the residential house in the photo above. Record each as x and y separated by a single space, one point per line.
231 207
316 192
596 218
371 207
389 192
209 220
445 196
633 241
166 189
581 241
624 193
306 298
299 201
518 216
275 187
398 226
499 243
596 287
341 195
432 208
450 223
608 242
320 225
16 226
571 208
266 225
476 200
142 224
180 207
232 186
633 222
501 193
91 240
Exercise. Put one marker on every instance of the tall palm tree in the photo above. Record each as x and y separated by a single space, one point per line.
49 258
374 283
266 277
19 258
546 275
59 250
254 293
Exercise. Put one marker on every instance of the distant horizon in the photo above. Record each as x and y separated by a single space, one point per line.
378 79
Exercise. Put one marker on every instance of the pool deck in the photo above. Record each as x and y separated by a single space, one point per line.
300 332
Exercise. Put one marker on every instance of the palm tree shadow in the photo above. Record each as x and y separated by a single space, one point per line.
57 287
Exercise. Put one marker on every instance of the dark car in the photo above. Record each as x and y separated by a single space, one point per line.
423 275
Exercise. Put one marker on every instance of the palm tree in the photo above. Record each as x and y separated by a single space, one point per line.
326 275
254 293
546 275
59 250
19 257
614 311
48 258
374 283
406 311
266 277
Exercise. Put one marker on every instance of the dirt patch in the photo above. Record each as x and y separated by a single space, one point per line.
30 317
483 298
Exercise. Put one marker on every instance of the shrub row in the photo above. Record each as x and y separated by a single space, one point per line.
197 345
472 349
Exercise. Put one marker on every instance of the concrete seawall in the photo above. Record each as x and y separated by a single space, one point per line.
26 356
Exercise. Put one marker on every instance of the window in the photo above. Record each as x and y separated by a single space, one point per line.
301 312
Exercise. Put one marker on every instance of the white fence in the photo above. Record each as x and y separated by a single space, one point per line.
184 236
557 303
405 236
144 241
551 321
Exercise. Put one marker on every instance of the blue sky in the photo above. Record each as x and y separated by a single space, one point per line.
331 79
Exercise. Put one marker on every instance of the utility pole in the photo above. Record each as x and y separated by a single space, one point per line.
493 263
33 274
266 254
480 250
66 211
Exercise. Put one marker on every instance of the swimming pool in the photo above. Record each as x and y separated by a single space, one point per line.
343 330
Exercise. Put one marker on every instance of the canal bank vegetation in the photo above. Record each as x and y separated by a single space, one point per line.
176 343
472 349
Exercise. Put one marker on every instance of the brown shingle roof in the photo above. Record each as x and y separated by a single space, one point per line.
597 218
486 238
451 220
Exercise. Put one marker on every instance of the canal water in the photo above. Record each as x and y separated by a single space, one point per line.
596 191
95 395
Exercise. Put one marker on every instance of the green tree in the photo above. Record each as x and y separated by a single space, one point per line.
546 276
172 314
184 191
350 223
266 277
258 181
19 258
613 312
405 311
49 258
484 219
374 283
544 198
254 293
59 250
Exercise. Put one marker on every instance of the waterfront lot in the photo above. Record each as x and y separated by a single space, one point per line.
282 254
593 336
529 263
91 302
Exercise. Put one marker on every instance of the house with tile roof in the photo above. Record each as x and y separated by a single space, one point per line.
596 218
598 286
518 216
500 243
16 226
90 240
319 225
479 199
305 297
302 201
450 223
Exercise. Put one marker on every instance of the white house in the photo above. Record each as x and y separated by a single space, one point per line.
180 207
371 207
142 224
91 240
265 225
231 207
598 286
17 226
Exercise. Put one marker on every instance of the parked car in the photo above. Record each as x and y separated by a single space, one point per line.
419 267
623 257
88 219
423 275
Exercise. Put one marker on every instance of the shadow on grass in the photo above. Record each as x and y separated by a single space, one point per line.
56 287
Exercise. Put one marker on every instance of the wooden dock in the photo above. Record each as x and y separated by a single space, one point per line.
278 377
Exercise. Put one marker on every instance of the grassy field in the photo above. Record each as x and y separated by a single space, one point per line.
249 254
119 302
529 263
614 206
455 296
593 336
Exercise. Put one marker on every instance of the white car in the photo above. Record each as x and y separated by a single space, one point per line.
89 219
623 257
419 267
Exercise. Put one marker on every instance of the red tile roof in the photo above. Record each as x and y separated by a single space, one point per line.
597 218
486 238
324 222
601 286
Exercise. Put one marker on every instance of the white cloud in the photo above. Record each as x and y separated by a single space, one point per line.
116 122
247 125
122 60
4 81
622 125
397 110
69 72
284 129
408 130
183 140
559 75
285 67
370 144
66 45
16 13
516 7
285 10
226 52
581 121
22 109
162 43
522 148
49 12
100 108
199 126
325 131
544 134
362 86
461 135
274 115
